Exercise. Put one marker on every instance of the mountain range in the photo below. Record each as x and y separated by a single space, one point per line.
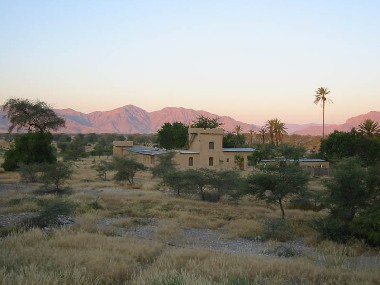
131 119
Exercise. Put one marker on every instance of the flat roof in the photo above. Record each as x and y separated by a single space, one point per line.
188 152
148 151
300 160
239 149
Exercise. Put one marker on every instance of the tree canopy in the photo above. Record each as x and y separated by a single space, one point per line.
205 122
31 115
277 182
339 145
173 136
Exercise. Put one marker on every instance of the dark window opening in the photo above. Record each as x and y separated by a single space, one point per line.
191 161
211 145
210 161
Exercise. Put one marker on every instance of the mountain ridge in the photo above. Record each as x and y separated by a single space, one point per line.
130 119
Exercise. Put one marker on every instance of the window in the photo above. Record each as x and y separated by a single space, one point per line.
210 161
191 161
211 145
228 160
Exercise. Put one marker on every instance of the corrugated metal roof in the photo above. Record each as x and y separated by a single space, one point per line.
143 150
300 160
239 149
188 152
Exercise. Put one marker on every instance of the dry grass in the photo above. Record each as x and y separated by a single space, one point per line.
91 253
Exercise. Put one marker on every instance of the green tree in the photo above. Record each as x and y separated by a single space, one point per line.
321 97
176 180
229 182
205 122
263 133
37 118
233 140
102 168
56 174
347 190
75 149
30 148
340 145
126 169
278 182
31 115
165 165
173 136
369 128
276 130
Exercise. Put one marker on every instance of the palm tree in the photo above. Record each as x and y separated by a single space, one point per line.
279 130
320 97
238 129
262 134
270 128
251 132
369 128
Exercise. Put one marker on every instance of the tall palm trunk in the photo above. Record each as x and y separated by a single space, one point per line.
323 120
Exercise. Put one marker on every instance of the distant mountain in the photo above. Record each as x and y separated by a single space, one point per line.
347 126
131 119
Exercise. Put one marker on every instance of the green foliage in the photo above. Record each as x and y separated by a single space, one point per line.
30 172
367 224
333 229
31 115
233 140
165 165
103 168
173 136
28 149
353 203
277 229
277 182
271 151
347 189
276 130
56 174
50 212
340 145
176 180
205 122
75 149
126 169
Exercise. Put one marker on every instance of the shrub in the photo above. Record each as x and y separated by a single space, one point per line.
367 225
50 212
211 196
277 229
332 229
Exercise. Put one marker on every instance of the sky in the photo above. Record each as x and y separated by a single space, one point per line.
251 60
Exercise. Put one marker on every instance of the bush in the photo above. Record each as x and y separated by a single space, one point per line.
332 229
367 225
30 172
277 229
50 213
211 196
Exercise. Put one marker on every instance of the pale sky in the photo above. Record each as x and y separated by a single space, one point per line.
251 60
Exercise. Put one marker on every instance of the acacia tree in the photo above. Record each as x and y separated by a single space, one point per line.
126 169
37 118
321 97
31 115
275 183
205 122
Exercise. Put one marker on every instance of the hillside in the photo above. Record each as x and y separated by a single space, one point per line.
131 119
